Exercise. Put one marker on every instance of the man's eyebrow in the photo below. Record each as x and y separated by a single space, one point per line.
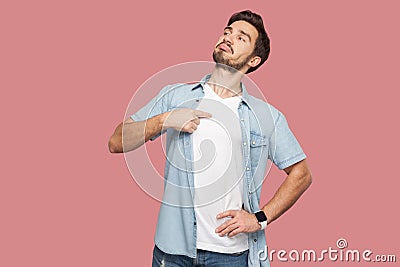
228 28
241 31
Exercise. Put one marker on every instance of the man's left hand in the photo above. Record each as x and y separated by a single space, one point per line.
241 222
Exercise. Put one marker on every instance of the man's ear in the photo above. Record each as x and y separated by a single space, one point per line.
254 61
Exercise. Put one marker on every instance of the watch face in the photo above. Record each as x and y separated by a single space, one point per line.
261 216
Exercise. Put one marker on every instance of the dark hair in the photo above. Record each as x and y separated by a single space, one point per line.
262 46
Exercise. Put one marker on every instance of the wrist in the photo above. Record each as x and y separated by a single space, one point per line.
162 122
258 223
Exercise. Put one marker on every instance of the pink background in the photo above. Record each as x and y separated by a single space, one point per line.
69 70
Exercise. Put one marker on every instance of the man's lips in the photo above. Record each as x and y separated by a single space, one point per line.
225 48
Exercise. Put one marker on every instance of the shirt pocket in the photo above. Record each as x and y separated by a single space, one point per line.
258 148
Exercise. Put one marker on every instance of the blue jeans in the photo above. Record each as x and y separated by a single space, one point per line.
204 259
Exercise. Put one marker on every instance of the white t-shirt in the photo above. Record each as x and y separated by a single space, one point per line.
217 155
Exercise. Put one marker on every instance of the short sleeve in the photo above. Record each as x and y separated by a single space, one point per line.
156 106
284 149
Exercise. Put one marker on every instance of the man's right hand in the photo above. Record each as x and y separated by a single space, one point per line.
136 133
184 119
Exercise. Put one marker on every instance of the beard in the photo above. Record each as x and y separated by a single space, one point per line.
229 64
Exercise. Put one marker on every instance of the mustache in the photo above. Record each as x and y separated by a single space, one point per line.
227 44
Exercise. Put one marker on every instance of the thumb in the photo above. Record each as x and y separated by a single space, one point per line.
200 113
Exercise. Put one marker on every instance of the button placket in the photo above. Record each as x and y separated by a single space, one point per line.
243 113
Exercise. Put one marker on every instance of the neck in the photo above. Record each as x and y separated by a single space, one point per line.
225 82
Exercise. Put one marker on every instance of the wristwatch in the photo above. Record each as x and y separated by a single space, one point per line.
262 219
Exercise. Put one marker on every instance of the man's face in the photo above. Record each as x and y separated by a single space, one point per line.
236 45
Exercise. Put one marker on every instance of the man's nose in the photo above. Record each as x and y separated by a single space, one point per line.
228 38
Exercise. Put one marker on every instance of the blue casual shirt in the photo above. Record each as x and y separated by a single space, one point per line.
265 135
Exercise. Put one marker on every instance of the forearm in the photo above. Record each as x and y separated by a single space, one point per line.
297 181
130 134
287 194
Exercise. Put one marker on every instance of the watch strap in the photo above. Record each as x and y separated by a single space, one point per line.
263 224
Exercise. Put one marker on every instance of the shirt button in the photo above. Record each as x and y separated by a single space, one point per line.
255 239
194 223
254 142
248 168
244 143
242 119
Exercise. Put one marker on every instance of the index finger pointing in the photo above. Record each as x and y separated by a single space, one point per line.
200 113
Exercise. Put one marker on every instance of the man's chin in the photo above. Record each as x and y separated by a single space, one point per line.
220 58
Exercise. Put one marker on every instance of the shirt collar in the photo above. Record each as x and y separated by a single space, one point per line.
244 97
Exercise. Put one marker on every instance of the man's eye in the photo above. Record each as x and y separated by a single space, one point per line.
226 33
242 39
